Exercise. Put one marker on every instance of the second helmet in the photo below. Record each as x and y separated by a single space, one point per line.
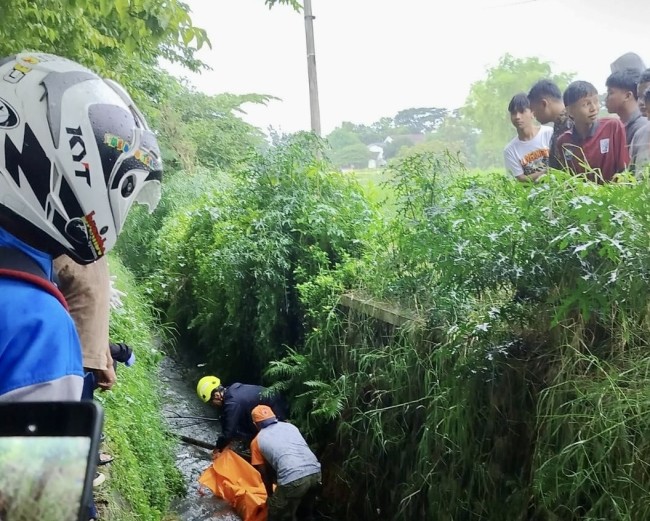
206 387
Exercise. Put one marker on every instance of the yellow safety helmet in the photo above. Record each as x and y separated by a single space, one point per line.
206 386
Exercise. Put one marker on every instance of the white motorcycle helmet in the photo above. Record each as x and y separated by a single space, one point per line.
75 153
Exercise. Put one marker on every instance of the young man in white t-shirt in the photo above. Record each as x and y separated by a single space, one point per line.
526 156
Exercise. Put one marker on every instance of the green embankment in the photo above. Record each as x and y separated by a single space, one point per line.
142 479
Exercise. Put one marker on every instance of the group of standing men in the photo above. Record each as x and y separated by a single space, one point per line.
579 141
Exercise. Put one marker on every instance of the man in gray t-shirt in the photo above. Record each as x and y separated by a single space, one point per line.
281 447
640 147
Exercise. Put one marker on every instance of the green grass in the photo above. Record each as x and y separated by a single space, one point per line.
377 185
373 181
143 477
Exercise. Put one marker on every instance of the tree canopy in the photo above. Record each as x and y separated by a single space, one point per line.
420 119
110 36
428 128
293 3
124 40
120 39
478 131
198 130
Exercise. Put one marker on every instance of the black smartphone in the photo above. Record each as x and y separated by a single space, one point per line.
48 458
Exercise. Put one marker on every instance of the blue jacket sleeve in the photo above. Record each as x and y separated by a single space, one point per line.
230 420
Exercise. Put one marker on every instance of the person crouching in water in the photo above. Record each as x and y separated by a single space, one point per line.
279 449
236 403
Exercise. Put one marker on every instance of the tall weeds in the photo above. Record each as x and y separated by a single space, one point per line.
524 395
521 390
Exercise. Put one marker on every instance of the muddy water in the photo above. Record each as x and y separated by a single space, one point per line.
180 400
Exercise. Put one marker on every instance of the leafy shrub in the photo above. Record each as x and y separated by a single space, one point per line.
520 393
136 245
230 262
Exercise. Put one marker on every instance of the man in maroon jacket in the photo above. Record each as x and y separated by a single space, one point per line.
595 147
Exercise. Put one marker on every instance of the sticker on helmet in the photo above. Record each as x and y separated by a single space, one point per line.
119 144
8 116
17 73
77 231
37 58
83 230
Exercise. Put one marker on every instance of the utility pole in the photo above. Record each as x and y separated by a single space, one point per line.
311 69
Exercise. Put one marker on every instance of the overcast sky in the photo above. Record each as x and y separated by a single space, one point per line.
376 57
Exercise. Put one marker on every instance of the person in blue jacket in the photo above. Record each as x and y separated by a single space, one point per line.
236 402
75 154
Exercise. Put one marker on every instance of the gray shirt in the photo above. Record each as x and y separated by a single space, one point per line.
640 150
633 125
284 448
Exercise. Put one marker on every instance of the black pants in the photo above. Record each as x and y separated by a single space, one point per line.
286 499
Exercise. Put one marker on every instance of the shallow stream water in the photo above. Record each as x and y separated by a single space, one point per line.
180 400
